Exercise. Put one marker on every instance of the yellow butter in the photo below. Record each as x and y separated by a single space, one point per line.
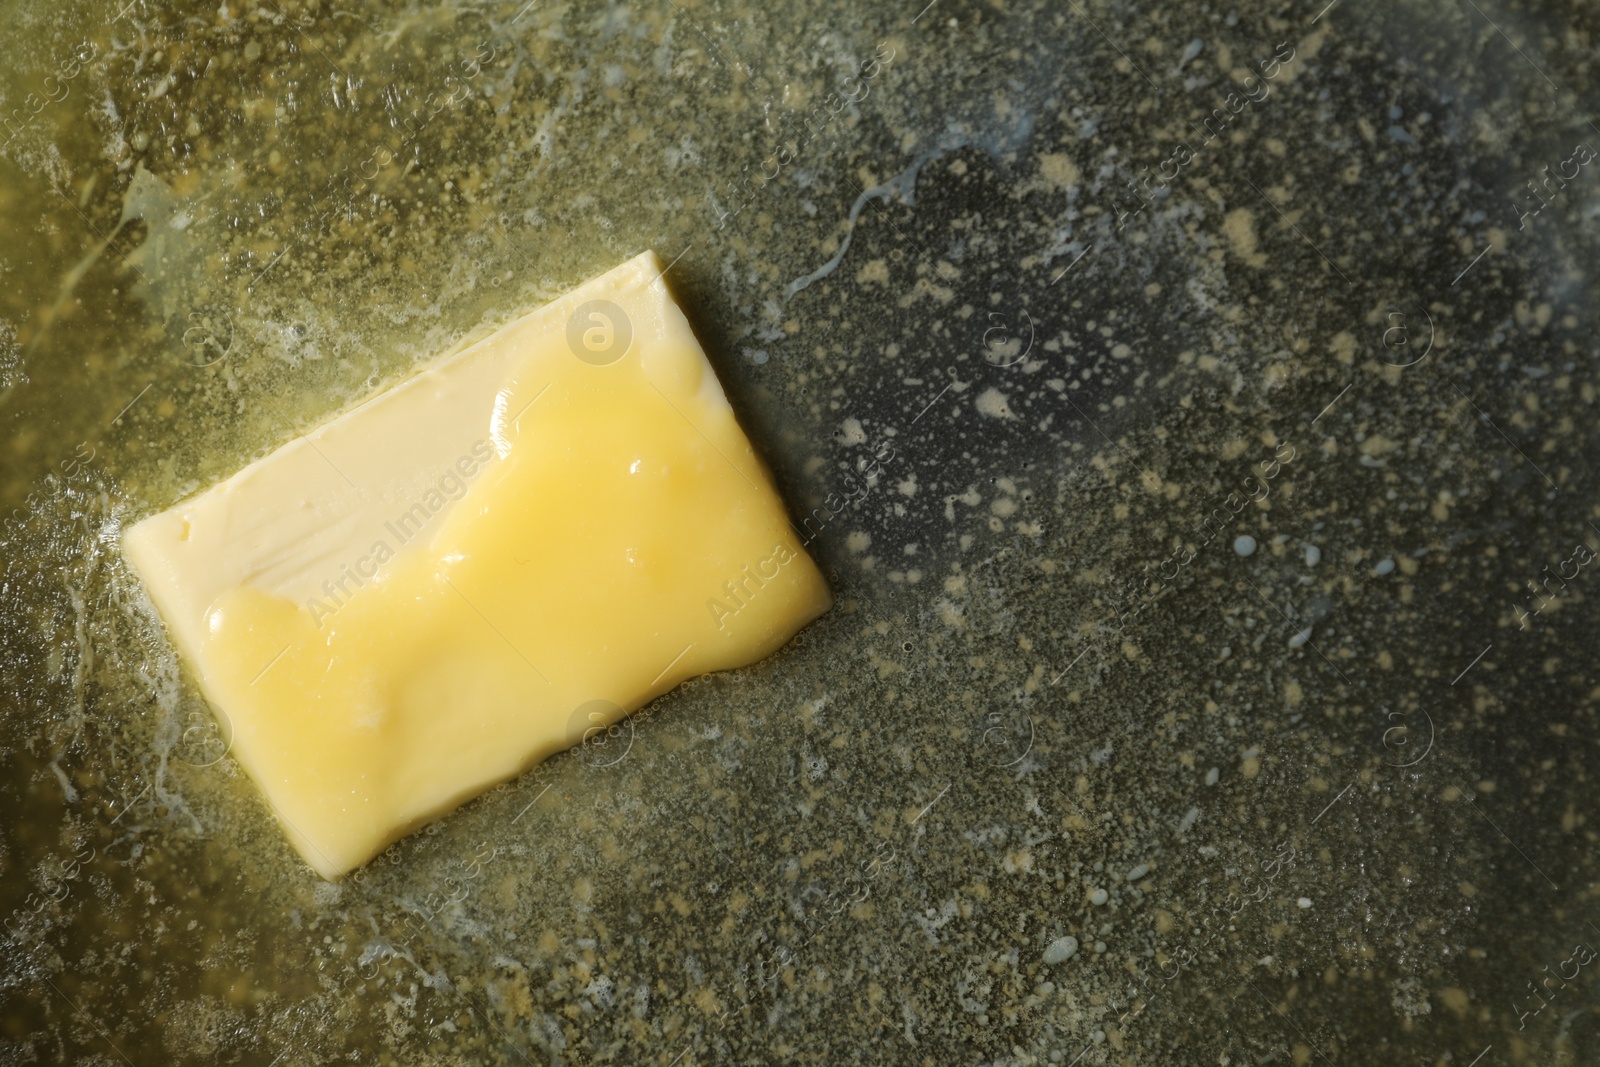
438 589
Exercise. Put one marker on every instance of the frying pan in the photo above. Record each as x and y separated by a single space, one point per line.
1210 679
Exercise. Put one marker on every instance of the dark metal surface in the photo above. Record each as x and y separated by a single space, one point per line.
1193 408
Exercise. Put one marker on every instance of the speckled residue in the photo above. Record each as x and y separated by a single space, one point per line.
1045 669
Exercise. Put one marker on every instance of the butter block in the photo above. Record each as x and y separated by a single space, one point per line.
435 590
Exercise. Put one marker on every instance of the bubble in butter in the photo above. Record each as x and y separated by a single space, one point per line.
410 604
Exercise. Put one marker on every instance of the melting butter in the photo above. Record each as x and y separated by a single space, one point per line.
592 526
